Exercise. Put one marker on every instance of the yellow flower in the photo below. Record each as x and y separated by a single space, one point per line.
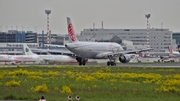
66 90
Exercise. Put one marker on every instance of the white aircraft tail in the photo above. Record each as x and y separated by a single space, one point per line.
27 50
71 33
170 49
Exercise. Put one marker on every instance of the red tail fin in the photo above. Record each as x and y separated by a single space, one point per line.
72 35
170 49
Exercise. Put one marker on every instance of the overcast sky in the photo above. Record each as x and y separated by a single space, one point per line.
115 14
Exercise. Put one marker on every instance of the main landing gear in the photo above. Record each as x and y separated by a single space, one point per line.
111 62
81 61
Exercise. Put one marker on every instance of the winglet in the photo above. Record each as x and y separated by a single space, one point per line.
71 32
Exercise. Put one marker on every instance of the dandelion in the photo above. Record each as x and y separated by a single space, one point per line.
12 83
41 88
65 90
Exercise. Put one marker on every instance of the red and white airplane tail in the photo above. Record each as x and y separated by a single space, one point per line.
71 32
170 49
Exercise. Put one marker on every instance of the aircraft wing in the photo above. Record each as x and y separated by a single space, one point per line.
133 52
159 53
51 50
140 50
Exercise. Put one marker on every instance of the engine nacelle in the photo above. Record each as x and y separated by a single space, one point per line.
125 58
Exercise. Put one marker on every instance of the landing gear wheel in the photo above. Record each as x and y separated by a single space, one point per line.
108 63
80 63
84 62
112 63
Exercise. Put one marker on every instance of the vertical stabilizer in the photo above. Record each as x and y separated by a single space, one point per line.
27 50
170 49
71 33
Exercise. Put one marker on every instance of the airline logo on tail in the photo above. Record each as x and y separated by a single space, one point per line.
170 49
27 50
71 32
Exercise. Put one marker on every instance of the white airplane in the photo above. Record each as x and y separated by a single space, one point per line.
49 58
8 58
173 53
14 59
166 55
28 56
96 50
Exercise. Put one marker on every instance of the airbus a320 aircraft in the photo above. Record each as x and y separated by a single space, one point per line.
28 56
166 55
8 58
49 58
96 50
14 59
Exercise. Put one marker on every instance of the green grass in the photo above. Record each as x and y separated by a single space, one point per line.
92 83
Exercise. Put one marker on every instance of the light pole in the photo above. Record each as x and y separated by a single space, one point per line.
48 39
147 35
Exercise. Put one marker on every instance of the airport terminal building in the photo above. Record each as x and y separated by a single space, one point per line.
14 36
159 39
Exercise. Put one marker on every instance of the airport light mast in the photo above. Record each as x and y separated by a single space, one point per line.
147 36
48 39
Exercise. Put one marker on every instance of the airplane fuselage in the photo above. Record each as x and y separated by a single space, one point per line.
6 58
91 50
27 58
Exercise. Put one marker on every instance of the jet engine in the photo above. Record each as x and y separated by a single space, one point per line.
125 58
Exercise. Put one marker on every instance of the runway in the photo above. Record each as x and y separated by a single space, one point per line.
163 65
151 65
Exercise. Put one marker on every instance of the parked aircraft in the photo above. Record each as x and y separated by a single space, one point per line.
14 59
8 58
173 53
96 50
28 56
166 55
49 58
